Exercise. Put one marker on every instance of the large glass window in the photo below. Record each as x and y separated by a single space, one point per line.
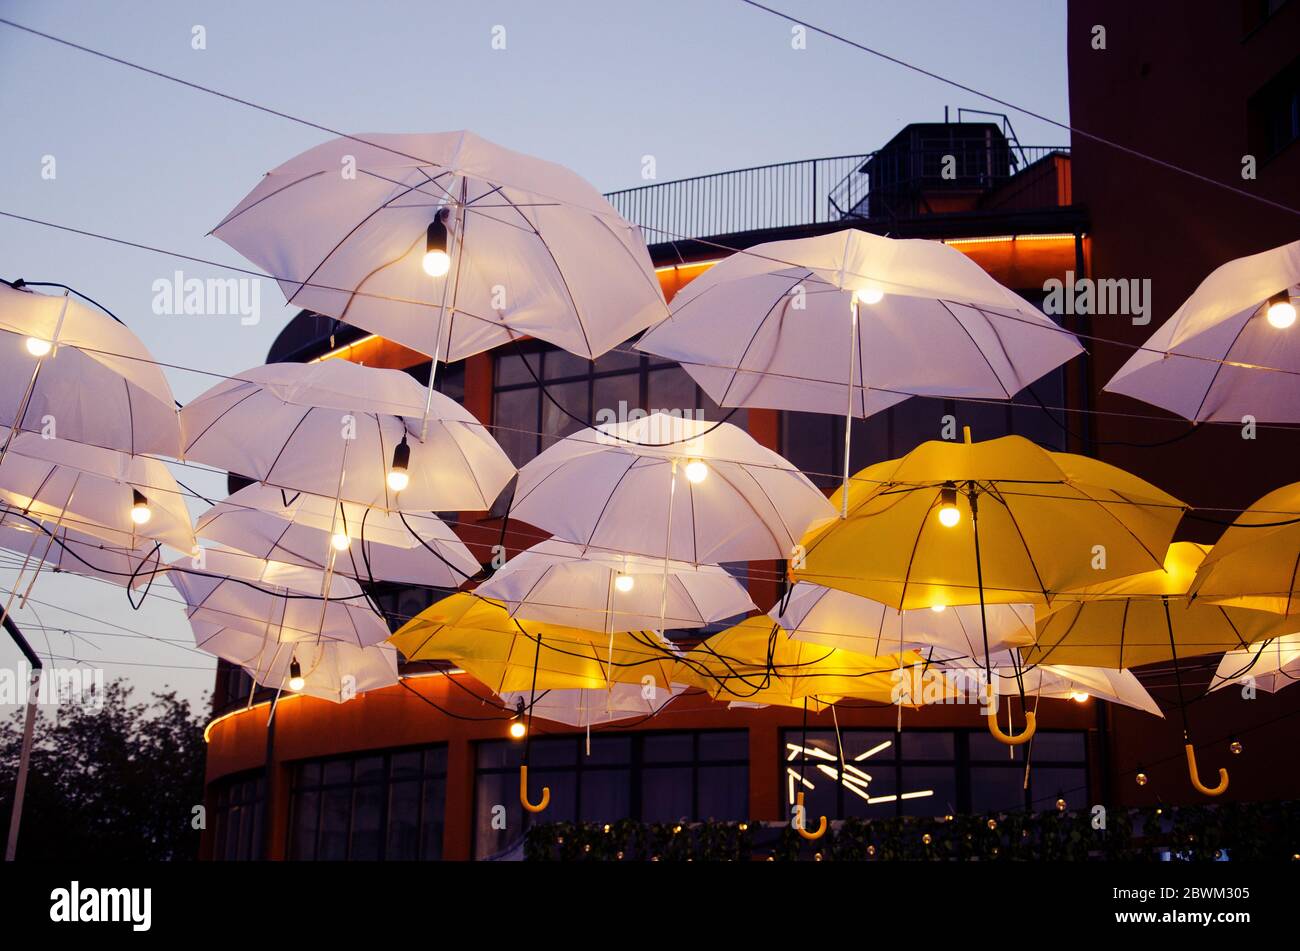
386 805
655 777
930 773
526 421
237 818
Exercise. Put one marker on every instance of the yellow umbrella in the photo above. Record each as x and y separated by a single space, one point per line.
1145 619
1255 563
508 654
1001 521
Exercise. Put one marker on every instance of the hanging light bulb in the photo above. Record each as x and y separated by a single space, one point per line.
868 295
341 541
398 477
1235 747
518 730
1141 778
624 583
1281 312
436 260
1060 805
949 514
696 470
38 347
140 511
296 681
938 608
1078 696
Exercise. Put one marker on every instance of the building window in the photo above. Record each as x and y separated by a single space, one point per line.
929 773
525 421
1273 113
237 818
654 777
372 806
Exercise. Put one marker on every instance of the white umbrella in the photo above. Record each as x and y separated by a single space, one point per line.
335 429
1231 350
329 669
118 498
1059 681
233 589
517 246
821 615
66 363
61 549
594 707
1269 666
851 323
668 487
557 582
364 543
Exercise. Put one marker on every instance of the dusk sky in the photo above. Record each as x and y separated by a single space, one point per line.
701 85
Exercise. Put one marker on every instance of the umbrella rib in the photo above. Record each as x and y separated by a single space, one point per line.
220 416
978 349
911 557
996 493
285 444
609 498
1220 364
758 327
283 188
651 283
789 537
1127 501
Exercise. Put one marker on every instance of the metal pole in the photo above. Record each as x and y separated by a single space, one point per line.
29 730
848 415
454 235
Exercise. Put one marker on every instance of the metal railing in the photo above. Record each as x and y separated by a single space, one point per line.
806 192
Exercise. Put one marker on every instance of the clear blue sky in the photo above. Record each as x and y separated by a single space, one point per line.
703 85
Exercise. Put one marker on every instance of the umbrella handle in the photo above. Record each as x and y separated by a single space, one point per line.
523 793
1031 724
801 828
1218 790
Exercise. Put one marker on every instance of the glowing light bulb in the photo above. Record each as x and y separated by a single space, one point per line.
1281 312
868 295
1078 696
436 263
624 583
296 680
938 608
398 480
140 511
341 541
1141 779
518 730
38 347
949 514
697 471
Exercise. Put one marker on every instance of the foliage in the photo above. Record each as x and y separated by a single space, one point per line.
116 782
1241 831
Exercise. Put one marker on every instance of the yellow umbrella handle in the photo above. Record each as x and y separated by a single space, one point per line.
523 793
1031 724
801 827
1218 790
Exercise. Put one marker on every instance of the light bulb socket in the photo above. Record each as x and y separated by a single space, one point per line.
138 500
948 495
435 239
401 455
1281 297
295 670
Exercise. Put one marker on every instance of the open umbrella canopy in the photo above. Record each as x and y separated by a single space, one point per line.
773 327
584 708
120 499
1254 563
1123 623
61 549
520 246
1231 350
1047 522
70 367
507 654
561 583
1269 666
665 486
366 543
821 615
755 662
330 669
333 428
279 601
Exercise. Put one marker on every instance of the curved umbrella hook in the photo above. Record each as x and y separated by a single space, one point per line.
523 793
1192 772
1031 725
801 826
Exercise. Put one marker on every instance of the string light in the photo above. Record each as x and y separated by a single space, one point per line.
1235 747
517 730
949 514
140 511
398 477
436 260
